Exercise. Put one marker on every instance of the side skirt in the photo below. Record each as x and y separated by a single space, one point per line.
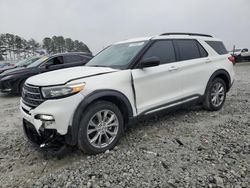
167 108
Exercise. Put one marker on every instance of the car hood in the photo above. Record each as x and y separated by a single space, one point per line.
7 67
63 76
17 70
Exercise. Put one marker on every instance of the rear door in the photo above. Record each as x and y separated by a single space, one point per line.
194 66
157 86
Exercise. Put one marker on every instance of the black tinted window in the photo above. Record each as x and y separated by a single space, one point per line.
218 46
86 58
188 49
164 50
55 61
203 52
72 58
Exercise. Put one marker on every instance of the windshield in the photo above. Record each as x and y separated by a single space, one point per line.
19 63
26 62
117 55
38 62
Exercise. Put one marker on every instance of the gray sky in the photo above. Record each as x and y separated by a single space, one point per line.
99 23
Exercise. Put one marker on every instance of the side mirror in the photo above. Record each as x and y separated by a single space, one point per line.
149 62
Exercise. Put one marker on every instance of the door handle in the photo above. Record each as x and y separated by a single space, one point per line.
208 61
173 68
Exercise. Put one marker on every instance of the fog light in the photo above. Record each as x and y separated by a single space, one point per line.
46 117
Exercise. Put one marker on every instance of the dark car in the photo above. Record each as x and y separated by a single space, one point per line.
12 81
22 63
3 65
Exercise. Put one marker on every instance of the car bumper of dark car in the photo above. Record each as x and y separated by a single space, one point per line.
5 87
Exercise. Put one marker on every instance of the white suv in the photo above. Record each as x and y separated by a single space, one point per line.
90 106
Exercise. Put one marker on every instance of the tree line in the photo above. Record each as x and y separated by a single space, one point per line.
13 47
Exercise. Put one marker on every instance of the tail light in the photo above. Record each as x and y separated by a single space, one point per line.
232 59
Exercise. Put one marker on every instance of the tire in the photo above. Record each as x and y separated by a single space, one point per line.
20 87
209 102
102 123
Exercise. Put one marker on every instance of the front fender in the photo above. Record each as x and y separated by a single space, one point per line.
98 94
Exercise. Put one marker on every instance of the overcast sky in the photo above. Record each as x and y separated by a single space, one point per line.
99 23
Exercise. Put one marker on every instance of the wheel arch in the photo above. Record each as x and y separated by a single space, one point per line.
224 75
113 96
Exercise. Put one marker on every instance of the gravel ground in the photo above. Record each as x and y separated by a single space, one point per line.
188 148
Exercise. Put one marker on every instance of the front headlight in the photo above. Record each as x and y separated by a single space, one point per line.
62 91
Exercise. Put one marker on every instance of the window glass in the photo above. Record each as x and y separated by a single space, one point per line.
72 58
117 55
55 61
218 46
188 49
164 50
38 62
203 52
85 58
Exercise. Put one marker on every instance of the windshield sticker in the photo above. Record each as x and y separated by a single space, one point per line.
136 44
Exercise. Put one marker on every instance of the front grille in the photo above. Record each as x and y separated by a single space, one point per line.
31 96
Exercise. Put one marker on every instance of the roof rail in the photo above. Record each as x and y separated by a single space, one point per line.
190 34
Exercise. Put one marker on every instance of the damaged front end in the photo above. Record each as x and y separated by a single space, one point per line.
44 138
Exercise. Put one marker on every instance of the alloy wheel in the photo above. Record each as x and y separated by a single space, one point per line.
217 94
102 128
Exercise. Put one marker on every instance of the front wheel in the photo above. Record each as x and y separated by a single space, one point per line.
101 127
215 95
20 87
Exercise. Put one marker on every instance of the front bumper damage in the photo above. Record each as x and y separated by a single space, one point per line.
44 132
44 137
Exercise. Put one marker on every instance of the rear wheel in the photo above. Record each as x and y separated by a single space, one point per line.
215 95
101 127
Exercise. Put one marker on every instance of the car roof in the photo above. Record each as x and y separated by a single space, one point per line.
72 53
172 36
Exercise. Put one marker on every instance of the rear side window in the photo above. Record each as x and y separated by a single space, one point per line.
164 50
188 49
72 58
218 46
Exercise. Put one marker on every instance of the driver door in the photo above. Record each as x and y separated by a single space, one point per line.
157 86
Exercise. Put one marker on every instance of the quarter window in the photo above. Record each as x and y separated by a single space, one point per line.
218 46
164 50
